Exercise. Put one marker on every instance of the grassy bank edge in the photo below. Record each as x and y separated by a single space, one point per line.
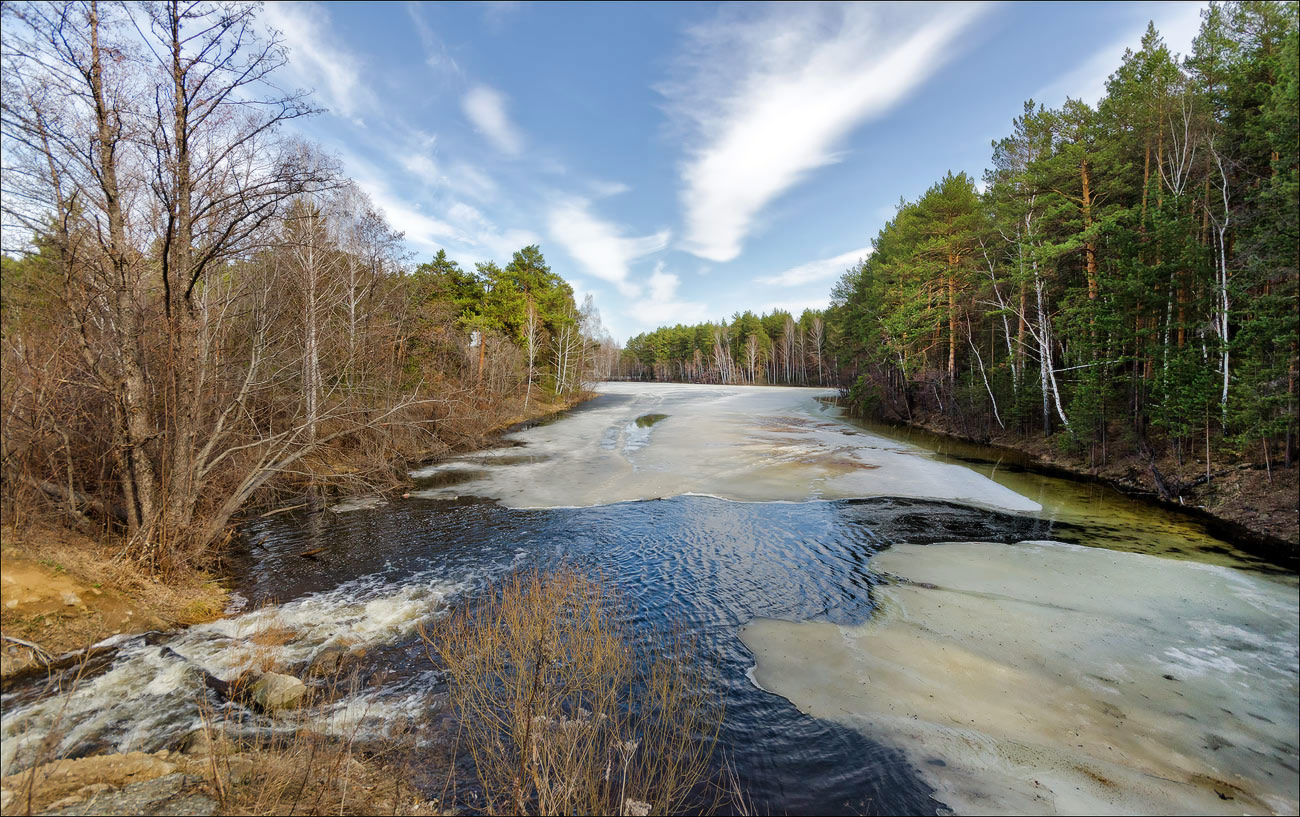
62 590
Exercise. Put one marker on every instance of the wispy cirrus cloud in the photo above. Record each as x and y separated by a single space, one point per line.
436 55
600 246
496 13
316 58
822 269
485 108
457 177
437 222
765 93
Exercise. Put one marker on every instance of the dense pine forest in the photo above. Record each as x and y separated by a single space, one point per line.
200 310
1124 276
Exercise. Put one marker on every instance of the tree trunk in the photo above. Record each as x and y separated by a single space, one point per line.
952 321
1089 243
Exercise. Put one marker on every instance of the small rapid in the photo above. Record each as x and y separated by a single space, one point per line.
787 548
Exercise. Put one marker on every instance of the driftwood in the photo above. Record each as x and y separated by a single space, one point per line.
1166 493
1170 489
40 654
284 510
47 664
78 499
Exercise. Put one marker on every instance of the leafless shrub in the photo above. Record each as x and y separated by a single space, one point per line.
293 768
557 712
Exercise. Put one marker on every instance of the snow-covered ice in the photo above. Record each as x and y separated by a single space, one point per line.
1049 678
747 443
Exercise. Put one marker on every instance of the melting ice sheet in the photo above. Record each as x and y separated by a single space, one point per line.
749 443
1050 678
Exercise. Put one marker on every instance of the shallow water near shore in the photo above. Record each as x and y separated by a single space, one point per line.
805 509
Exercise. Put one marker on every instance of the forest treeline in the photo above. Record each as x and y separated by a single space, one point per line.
769 348
1127 268
200 310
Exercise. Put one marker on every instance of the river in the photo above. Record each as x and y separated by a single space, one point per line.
892 626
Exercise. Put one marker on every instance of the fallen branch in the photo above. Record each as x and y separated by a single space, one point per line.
284 510
36 649
77 498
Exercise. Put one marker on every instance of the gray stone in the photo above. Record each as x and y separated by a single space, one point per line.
274 692
328 662
175 795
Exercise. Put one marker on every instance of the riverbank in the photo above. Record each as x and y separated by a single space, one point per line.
64 591
1248 501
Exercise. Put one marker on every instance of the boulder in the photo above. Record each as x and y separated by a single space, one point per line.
196 744
274 692
64 779
328 662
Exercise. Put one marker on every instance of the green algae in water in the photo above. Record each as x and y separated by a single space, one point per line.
647 420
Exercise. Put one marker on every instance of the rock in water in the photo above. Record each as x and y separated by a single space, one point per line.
274 691
328 662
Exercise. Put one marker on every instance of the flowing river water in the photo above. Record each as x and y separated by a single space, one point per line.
893 626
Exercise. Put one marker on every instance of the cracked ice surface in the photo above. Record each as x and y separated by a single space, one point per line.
746 443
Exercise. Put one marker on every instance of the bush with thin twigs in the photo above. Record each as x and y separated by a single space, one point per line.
560 715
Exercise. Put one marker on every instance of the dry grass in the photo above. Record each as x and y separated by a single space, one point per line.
293 768
296 770
557 713
44 567
184 599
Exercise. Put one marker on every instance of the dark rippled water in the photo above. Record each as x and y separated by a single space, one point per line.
703 564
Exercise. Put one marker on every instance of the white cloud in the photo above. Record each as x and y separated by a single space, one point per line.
458 227
460 178
766 98
469 179
435 51
479 231
795 308
820 270
602 189
661 306
1178 24
496 13
599 246
423 230
314 56
486 109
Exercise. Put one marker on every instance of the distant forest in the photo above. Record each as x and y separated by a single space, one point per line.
1128 268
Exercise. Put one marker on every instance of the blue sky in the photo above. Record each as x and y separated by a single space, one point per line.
681 161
